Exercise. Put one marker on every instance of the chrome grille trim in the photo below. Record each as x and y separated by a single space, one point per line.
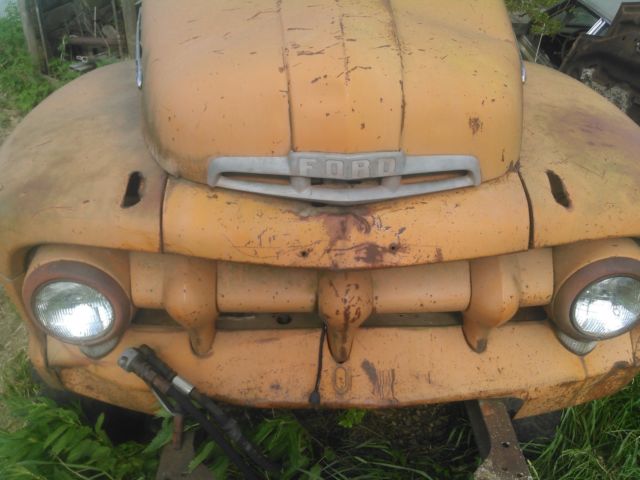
387 167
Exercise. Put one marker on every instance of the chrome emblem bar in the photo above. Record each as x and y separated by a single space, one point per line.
350 169
339 166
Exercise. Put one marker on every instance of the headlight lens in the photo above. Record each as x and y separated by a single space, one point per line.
608 307
73 311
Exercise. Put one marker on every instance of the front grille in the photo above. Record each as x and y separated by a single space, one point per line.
344 179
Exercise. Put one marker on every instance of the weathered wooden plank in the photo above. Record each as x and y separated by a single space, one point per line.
29 27
129 15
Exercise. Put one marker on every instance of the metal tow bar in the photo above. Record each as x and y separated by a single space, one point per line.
181 399
497 442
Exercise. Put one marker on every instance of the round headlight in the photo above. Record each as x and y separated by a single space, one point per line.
73 311
608 307
76 302
599 301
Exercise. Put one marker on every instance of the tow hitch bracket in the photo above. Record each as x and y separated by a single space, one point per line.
174 462
181 399
497 442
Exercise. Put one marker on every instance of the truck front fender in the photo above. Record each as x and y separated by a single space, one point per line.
580 162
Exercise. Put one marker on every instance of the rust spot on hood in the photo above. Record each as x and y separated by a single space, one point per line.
340 225
475 124
370 253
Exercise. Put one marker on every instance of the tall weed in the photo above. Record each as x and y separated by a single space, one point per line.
56 443
21 85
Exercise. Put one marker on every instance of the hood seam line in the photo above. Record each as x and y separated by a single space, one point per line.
285 65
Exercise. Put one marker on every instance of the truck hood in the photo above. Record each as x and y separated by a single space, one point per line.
264 78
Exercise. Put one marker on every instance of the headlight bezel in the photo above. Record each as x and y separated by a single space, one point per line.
84 274
578 282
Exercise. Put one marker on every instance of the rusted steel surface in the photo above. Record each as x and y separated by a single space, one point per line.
568 259
387 367
214 81
183 286
334 51
500 286
469 223
245 288
614 372
345 301
579 162
66 167
257 288
620 374
270 77
497 442
439 287
190 298
174 462
114 263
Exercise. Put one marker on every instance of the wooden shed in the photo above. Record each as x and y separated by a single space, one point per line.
78 29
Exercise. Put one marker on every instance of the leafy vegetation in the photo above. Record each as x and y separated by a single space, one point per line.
312 445
598 440
352 417
542 23
21 85
50 442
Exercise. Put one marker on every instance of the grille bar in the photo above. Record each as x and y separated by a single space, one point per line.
354 178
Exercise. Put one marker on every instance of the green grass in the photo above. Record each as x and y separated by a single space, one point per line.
312 444
598 440
541 22
21 85
50 442
13 346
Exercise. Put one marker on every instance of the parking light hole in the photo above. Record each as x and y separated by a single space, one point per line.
133 193
558 189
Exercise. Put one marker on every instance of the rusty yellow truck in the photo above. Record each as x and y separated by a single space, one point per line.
374 201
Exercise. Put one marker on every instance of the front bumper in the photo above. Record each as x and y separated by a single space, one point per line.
388 367
392 359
